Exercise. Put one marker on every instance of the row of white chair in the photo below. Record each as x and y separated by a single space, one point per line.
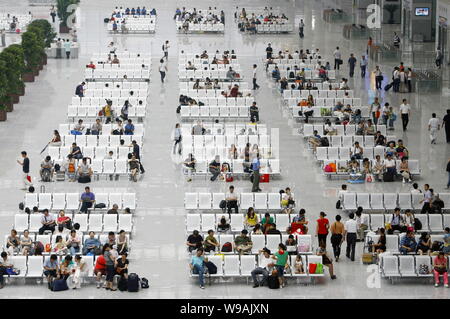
340 139
134 86
122 54
201 27
328 112
320 93
91 74
71 201
120 67
206 222
208 154
434 223
284 27
114 92
208 201
93 111
271 166
310 74
196 112
326 102
227 129
393 266
88 222
393 241
116 101
342 167
344 153
219 141
93 152
388 201
99 140
210 66
223 86
226 101
132 26
221 75
205 94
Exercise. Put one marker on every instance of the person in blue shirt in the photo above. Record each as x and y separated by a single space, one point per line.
143 11
127 11
198 267
51 269
138 11
129 128
87 200
133 11
91 244
153 12
408 243
256 165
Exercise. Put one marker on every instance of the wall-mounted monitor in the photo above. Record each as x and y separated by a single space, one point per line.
422 12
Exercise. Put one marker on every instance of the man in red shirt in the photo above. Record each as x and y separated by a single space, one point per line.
100 269
322 228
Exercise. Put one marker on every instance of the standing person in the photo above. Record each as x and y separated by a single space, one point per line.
301 28
165 48
67 46
426 201
378 77
448 172
396 40
337 232
350 234
255 86
269 51
405 111
352 63
408 75
137 154
281 257
375 110
433 127
446 123
25 163
110 260
177 137
396 80
162 69
323 225
363 64
362 223
439 57
53 13
256 165
337 58
254 113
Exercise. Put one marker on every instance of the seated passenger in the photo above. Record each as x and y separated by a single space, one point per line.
211 242
194 241
243 243
408 243
92 245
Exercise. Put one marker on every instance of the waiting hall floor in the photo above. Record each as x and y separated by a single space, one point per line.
158 243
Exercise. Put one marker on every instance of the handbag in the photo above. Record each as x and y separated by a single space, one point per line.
312 268
319 269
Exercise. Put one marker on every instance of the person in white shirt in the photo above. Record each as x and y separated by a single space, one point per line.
165 48
405 111
350 235
255 85
433 127
264 268
415 189
232 200
396 79
363 64
337 58
162 69
362 221
341 196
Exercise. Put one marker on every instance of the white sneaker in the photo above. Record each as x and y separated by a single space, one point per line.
446 285
403 181
202 287
436 285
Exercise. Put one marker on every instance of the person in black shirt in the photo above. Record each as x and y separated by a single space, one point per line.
269 51
80 90
272 230
194 241
214 168
137 154
122 265
446 124
352 64
254 113
25 169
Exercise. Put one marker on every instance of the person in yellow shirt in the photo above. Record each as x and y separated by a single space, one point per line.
251 219
107 111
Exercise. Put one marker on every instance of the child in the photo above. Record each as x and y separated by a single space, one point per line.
298 266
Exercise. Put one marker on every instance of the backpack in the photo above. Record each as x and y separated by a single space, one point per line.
133 282
212 269
122 285
59 285
417 224
84 179
21 206
423 269
227 247
324 141
437 246
273 282
223 204
38 248
144 283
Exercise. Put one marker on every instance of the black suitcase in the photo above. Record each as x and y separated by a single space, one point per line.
106 20
388 87
59 285
273 282
388 177
133 282
122 285
84 179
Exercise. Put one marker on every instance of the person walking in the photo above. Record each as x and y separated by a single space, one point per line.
396 40
162 69
25 163
67 46
378 77
405 111
408 75
427 198
323 225
350 234
337 58
448 173
177 138
165 48
439 57
363 64
446 124
256 165
433 127
337 232
351 64
255 85
53 13
301 28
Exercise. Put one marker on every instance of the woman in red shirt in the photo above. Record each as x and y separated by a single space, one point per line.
100 269
322 228
64 220
440 268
